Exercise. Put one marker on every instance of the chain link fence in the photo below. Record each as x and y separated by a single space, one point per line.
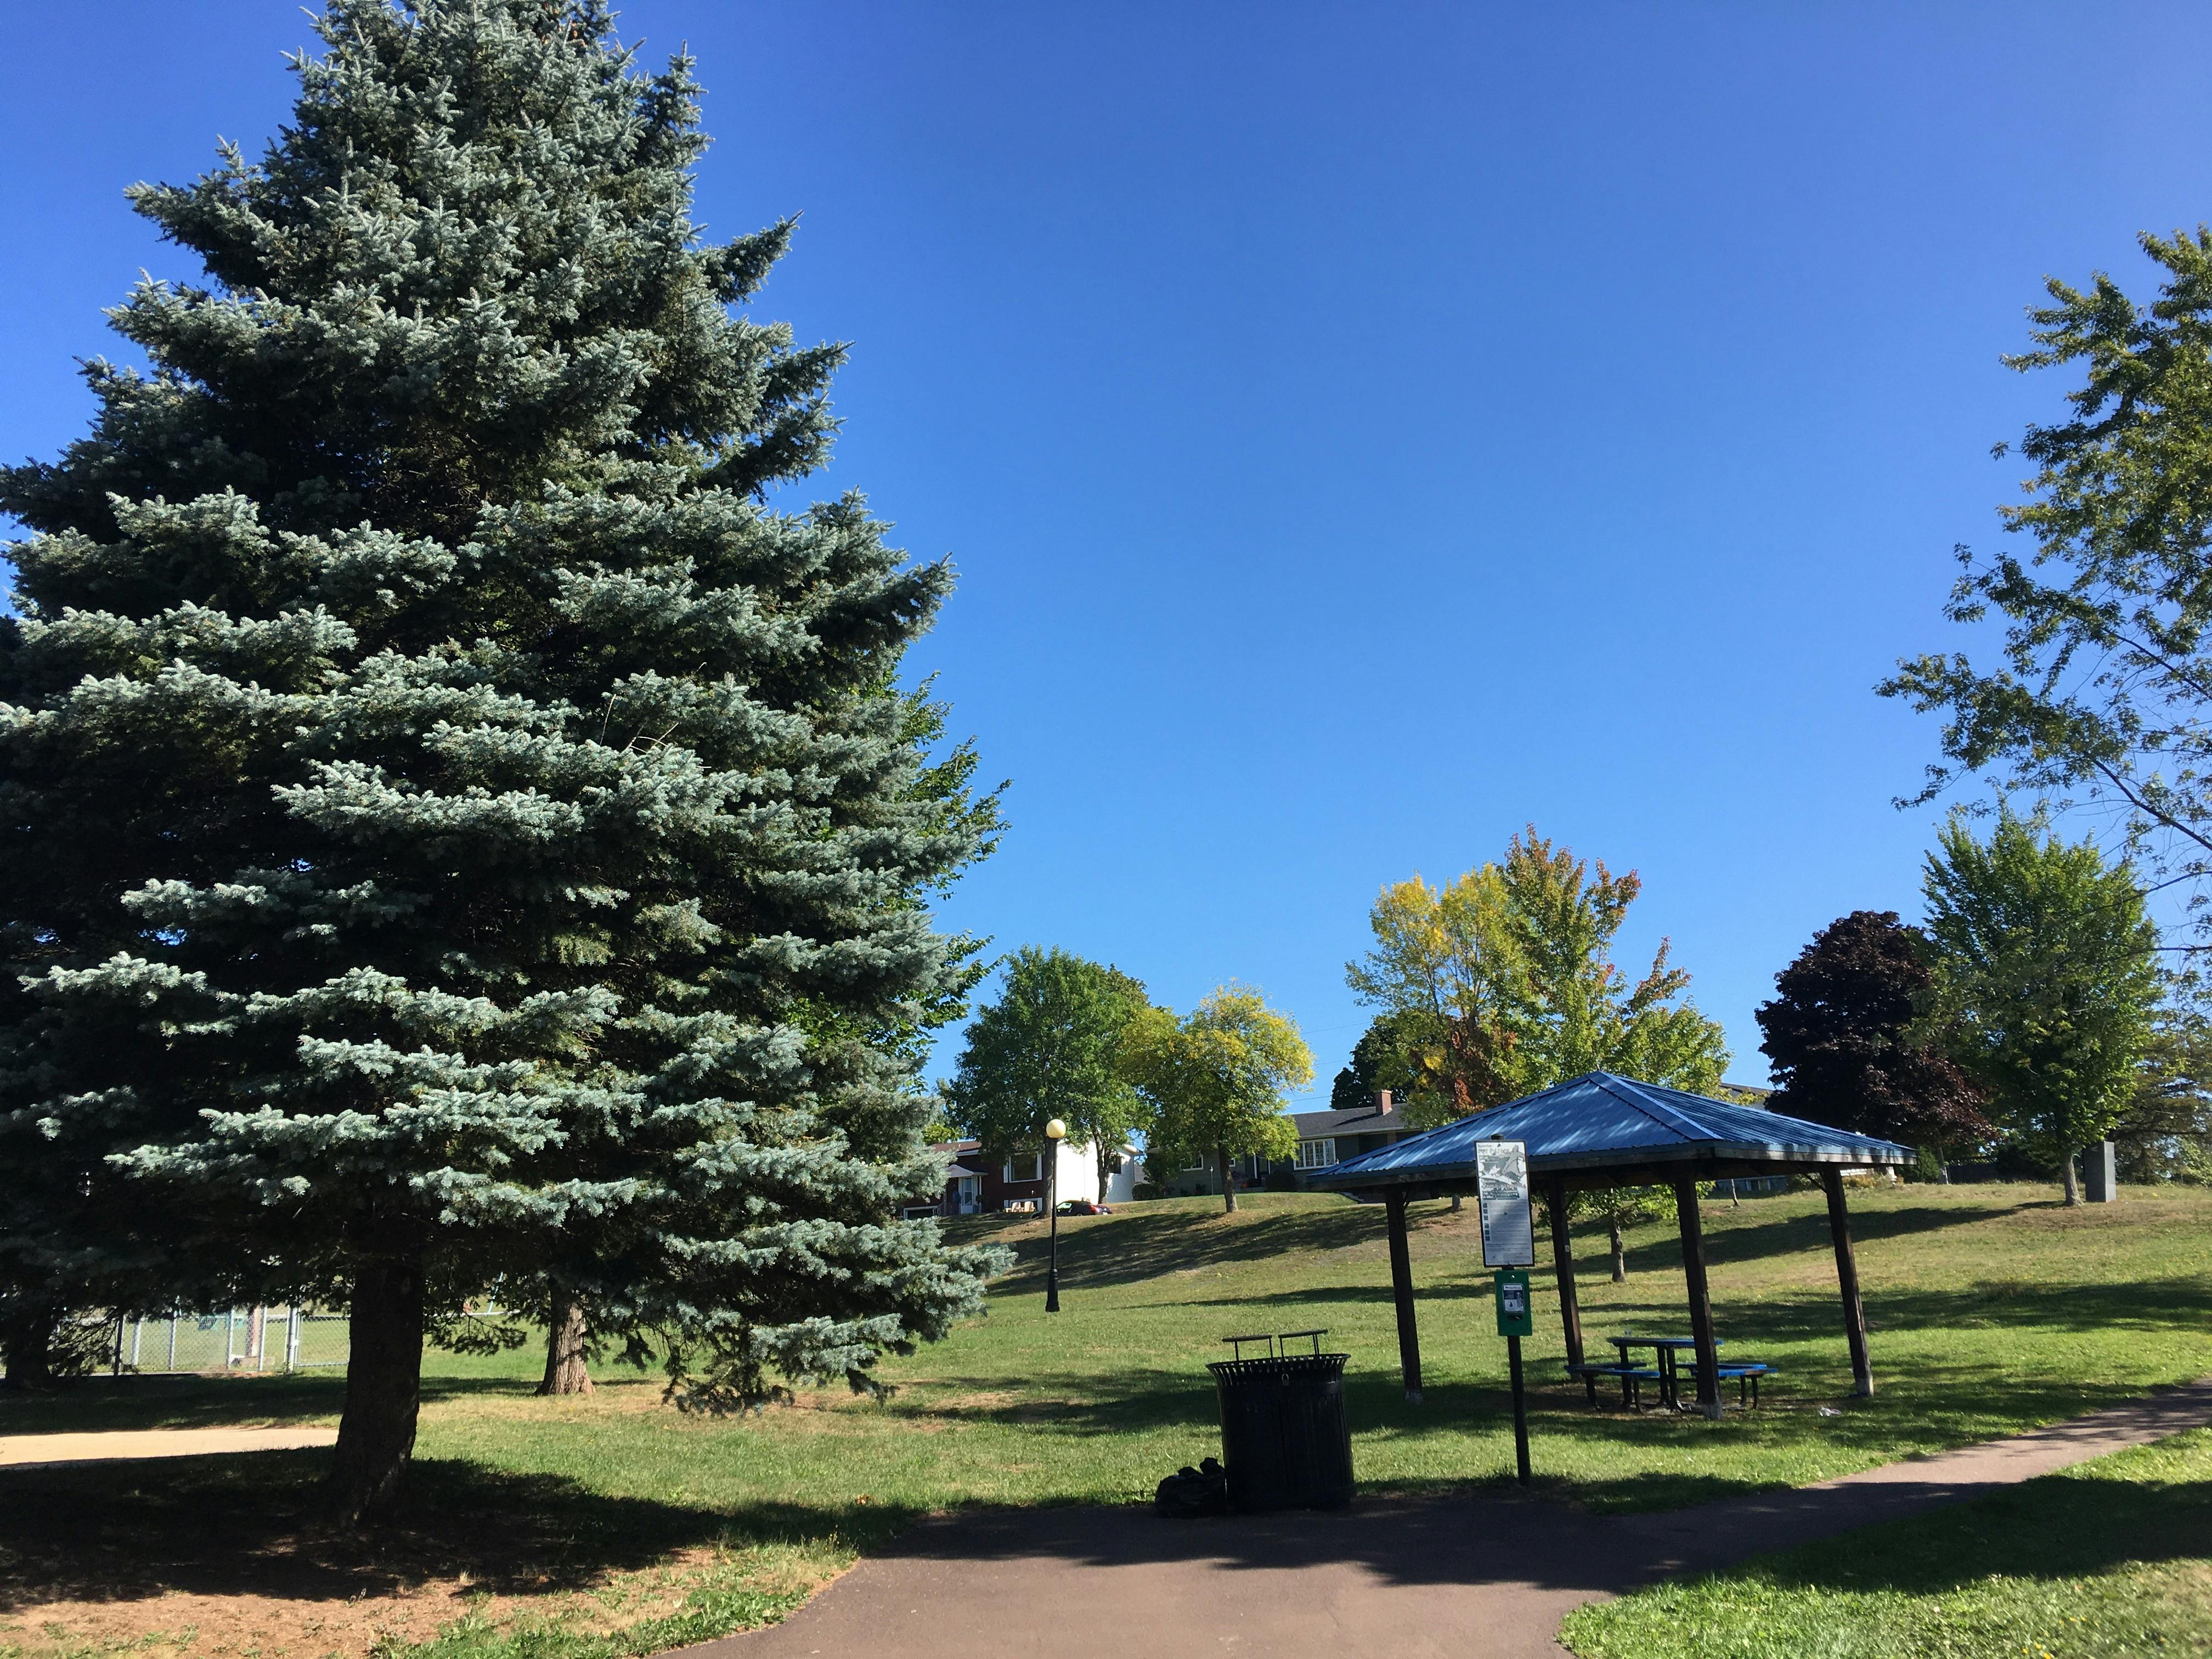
235 1341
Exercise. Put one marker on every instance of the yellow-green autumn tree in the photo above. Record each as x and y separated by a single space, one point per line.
1217 1078
1506 978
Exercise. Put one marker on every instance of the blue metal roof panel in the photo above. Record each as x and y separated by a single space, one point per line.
1599 1118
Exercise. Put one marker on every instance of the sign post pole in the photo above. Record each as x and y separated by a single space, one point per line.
1509 1245
1519 1412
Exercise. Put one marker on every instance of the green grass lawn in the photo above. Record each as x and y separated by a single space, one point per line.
1992 1309
2111 1560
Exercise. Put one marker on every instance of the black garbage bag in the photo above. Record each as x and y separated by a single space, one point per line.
1189 1492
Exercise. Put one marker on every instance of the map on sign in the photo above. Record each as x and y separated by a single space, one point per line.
1508 1227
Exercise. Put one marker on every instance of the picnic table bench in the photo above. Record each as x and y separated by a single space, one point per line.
1666 1370
1630 1378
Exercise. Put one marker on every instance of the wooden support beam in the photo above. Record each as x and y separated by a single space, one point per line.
1701 1301
1847 1278
1402 1290
1563 1270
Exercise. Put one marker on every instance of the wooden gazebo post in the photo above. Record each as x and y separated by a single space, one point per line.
1563 1270
1847 1278
1401 1291
1701 1301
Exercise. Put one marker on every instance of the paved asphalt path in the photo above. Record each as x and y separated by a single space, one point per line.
1472 1577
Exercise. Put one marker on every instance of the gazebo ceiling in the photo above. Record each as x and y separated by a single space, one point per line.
1603 1130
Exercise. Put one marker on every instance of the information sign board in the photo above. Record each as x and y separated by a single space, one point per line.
1508 1227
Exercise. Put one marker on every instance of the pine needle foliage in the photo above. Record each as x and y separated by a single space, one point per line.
458 826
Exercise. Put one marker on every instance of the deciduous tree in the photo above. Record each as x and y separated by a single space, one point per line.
2045 981
1843 1035
1052 1044
2102 690
1216 1079
1510 967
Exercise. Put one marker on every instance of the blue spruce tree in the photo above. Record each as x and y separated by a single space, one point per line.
460 829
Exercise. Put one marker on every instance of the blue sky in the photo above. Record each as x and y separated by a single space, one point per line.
1361 430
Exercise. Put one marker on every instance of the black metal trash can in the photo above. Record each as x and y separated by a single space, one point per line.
1284 1437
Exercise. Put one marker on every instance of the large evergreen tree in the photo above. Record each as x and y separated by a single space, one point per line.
457 826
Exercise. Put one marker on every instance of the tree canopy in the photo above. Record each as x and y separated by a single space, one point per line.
1052 1044
458 826
2102 690
1504 982
1216 1079
2046 979
1844 1037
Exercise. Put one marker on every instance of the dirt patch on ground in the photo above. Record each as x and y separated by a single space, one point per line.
267 1626
225 1560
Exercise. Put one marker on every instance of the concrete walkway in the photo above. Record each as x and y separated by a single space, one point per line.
1471 1577
35 1451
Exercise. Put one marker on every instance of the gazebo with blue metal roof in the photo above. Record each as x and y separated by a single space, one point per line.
1601 1130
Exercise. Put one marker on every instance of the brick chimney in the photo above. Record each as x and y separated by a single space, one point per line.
1382 1102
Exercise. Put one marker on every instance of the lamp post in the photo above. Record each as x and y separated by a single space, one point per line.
1054 1133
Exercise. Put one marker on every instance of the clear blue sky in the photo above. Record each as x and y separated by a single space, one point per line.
1361 430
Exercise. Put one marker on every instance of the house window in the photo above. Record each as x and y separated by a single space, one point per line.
1316 1154
1114 1164
1025 1166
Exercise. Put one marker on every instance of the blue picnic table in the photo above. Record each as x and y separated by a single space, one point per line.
1665 1369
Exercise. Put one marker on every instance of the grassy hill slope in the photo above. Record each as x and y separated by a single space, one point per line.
1992 1307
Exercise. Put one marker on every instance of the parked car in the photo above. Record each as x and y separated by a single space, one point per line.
1082 1206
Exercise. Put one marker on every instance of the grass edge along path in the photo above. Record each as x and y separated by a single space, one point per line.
2110 1559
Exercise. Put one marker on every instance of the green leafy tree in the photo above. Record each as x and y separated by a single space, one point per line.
1216 1080
459 829
1052 1045
1509 972
2046 980
2164 1134
2102 692
1389 1055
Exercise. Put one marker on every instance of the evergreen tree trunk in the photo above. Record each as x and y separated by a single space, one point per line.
384 1390
1228 1186
567 1370
1619 1254
2069 1180
28 1345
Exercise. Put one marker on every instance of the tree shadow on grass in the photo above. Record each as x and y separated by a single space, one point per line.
1730 1238
1104 1251
245 1526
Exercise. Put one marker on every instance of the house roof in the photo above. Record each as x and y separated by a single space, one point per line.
1358 1119
1601 1123
962 1170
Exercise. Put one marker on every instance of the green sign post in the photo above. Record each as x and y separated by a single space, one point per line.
1515 1320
